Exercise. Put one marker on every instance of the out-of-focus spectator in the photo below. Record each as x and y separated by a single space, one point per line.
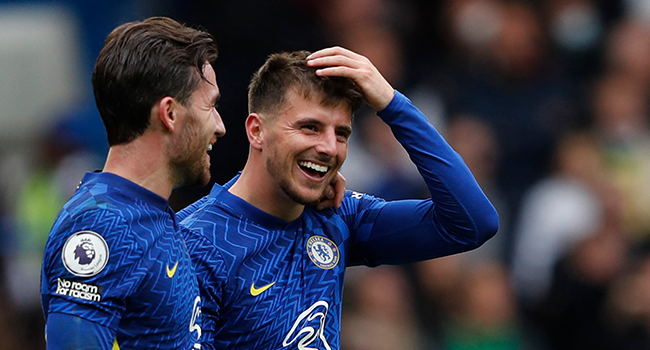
465 303
627 50
369 27
576 29
379 312
437 288
488 316
558 211
571 313
620 110
621 118
504 72
574 313
628 304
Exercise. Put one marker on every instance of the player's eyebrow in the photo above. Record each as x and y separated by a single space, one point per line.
309 120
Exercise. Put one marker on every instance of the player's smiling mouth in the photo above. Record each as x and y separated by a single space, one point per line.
313 169
213 140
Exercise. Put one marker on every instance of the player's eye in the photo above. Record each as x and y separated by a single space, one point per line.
310 127
342 136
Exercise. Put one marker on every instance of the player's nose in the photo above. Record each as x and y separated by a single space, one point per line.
220 129
327 143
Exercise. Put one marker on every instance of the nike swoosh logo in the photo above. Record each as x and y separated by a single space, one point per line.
257 291
172 272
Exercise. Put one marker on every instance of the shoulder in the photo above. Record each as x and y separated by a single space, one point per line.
89 218
205 208
103 228
192 208
355 202
204 225
210 217
203 219
354 206
93 229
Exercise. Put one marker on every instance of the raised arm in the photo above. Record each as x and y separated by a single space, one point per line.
458 217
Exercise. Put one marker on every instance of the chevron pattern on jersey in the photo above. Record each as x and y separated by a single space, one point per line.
138 298
302 310
304 303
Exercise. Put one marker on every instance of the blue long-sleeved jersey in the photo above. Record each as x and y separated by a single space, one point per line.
271 284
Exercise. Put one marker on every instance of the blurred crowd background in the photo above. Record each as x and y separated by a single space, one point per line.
546 100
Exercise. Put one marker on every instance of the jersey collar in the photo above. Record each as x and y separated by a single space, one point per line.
129 188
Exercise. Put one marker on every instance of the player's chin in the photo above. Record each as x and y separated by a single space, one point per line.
306 195
204 173
314 195
198 177
205 176
204 180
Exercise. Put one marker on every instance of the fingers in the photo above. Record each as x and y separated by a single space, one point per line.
334 193
333 51
341 66
329 192
339 190
327 200
340 62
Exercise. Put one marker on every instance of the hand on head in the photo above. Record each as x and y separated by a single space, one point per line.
340 62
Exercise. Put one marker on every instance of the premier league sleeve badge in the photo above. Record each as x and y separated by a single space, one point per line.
85 253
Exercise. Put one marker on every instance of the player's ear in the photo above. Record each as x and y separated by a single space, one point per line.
255 130
166 113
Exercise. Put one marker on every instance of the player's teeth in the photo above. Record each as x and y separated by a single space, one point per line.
209 147
310 165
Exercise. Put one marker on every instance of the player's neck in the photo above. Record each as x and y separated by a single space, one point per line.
141 161
257 187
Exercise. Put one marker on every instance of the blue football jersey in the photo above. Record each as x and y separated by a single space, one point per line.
116 257
271 284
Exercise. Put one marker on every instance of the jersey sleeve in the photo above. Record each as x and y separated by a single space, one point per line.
458 216
185 212
63 331
92 264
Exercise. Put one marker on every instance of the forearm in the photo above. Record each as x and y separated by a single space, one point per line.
460 205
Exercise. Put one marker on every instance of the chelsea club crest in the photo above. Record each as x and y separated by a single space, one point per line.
323 252
85 254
